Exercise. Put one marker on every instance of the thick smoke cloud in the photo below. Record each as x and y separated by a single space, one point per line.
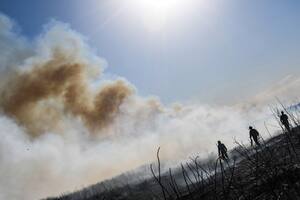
62 77
63 126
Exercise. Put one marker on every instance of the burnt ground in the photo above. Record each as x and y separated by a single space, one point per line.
270 171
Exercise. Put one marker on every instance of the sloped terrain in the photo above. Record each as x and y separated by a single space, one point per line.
268 171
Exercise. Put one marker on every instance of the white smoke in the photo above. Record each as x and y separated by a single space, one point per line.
66 159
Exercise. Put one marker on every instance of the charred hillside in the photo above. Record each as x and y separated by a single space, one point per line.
268 171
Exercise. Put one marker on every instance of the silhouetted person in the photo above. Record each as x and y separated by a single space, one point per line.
253 133
222 150
284 119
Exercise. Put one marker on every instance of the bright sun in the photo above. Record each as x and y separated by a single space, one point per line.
160 6
155 13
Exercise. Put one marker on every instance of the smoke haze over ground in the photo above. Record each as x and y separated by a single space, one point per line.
63 126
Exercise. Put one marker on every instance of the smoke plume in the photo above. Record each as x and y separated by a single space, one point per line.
63 126
62 79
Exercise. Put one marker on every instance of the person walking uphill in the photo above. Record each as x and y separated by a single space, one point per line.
284 119
222 150
253 133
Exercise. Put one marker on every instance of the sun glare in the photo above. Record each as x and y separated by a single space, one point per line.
159 6
155 13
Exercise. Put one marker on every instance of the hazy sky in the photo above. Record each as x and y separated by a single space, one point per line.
207 50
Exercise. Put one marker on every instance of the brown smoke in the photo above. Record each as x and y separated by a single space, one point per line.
40 98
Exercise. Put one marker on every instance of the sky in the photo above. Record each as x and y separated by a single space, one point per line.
64 125
212 51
